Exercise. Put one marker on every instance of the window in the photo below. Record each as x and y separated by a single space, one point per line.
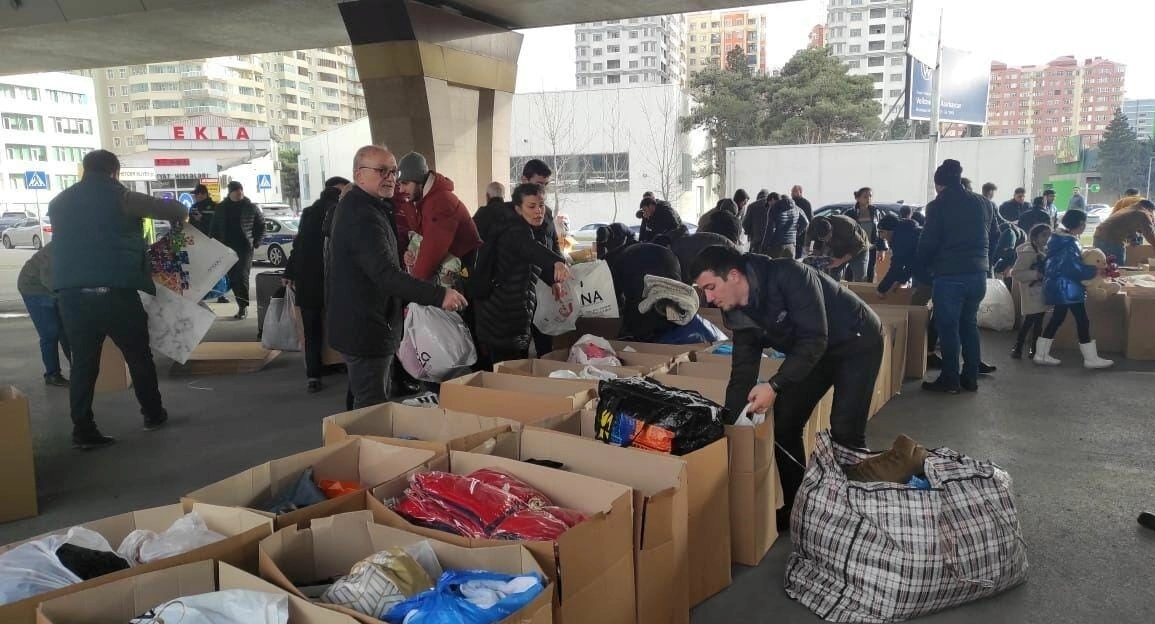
896 77
69 154
26 123
123 73
581 37
597 51
124 91
634 64
855 32
613 64
111 73
583 51
855 49
896 93
597 80
875 46
897 45
597 37
161 104
875 61
141 87
614 34
27 152
854 64
68 125
613 49
898 30
633 34
167 86
878 14
112 92
128 141
878 94
613 79
115 125
876 77
581 81
693 50
633 49
856 16
67 97
896 61
65 181
597 66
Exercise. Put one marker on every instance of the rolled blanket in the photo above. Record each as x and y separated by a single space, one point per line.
677 301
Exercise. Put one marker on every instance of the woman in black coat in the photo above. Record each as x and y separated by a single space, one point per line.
505 314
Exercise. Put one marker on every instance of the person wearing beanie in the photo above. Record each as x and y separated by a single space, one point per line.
305 274
202 211
238 223
444 222
954 249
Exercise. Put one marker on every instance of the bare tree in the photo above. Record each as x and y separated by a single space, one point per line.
664 140
560 129
618 137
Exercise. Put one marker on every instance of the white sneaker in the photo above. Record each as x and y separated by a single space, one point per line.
425 399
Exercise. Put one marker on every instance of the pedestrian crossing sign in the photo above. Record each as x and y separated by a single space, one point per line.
264 182
36 180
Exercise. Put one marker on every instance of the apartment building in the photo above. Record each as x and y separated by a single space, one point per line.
713 34
870 37
817 36
1141 114
640 51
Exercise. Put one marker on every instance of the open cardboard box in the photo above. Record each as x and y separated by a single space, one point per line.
1108 325
122 600
716 369
660 511
330 547
516 397
242 530
416 427
649 362
544 368
1139 254
896 320
591 564
361 460
708 504
18 490
918 318
1140 332
755 488
869 293
225 358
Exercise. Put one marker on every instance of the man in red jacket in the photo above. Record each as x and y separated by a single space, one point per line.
444 222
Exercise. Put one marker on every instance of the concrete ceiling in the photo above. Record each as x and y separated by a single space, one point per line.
58 35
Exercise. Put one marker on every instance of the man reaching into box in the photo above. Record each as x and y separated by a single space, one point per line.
830 338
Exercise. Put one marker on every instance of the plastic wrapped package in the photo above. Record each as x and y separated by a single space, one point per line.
378 582
468 597
513 486
531 525
642 413
230 606
33 568
571 517
482 502
593 351
189 532
430 512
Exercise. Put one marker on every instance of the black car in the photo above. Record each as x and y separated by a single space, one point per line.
833 209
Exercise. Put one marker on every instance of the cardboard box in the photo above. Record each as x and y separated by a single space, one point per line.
869 294
1139 254
591 565
1140 331
416 427
675 352
243 530
661 558
708 493
755 487
114 373
1108 325
882 386
607 327
714 315
897 321
225 358
365 461
707 357
516 397
544 368
331 546
650 362
18 490
120 601
918 318
720 369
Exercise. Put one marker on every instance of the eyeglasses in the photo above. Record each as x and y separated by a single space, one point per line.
384 172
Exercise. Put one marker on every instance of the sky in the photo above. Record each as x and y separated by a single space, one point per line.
1016 32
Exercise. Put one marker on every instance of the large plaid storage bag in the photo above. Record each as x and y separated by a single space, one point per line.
885 552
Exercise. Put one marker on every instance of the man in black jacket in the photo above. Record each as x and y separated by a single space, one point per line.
201 213
365 288
754 221
1014 208
802 203
830 338
492 212
954 248
658 218
238 223
305 274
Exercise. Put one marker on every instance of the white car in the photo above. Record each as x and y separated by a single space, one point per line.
280 232
1096 214
28 233
587 233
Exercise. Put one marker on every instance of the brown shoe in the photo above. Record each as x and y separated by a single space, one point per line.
904 460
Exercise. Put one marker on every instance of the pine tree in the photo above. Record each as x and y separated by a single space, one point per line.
1123 158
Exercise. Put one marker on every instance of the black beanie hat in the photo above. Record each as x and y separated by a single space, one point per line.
949 173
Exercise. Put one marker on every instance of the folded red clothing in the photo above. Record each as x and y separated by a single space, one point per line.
570 517
483 503
430 512
513 486
531 525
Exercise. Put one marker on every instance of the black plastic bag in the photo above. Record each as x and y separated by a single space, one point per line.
643 413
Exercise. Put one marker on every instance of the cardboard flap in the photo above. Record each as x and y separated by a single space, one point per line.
515 397
261 482
120 601
650 473
301 611
231 521
378 463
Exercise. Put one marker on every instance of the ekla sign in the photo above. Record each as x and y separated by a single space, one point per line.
213 134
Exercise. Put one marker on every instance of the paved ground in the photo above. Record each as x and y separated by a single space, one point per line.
1078 444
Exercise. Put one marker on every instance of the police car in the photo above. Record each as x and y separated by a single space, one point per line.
280 232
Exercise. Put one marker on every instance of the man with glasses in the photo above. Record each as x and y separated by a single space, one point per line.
366 288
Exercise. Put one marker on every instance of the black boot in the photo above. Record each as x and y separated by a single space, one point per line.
1017 352
1147 520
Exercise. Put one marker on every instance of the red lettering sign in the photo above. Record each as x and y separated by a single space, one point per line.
170 162
199 133
221 134
242 134
178 132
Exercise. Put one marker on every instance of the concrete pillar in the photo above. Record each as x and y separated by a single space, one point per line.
437 83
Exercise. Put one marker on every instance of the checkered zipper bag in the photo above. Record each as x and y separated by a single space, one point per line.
885 552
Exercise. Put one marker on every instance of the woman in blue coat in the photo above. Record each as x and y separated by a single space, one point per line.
1063 288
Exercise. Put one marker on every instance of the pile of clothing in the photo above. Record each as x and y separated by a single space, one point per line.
396 585
484 504
307 490
642 413
592 350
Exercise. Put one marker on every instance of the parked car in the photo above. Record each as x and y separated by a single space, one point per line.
589 233
9 219
833 209
280 232
1096 214
28 233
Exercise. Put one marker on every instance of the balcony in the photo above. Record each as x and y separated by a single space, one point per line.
206 110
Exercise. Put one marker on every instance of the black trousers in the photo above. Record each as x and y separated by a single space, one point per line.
542 343
1082 323
91 315
493 355
921 297
851 369
239 276
313 324
1032 325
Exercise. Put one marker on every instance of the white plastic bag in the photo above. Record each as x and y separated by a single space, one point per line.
997 311
596 297
593 351
230 606
555 316
588 372
437 345
32 568
279 332
746 419
189 532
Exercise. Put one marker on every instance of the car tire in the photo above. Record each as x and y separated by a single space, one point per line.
8 243
36 242
276 256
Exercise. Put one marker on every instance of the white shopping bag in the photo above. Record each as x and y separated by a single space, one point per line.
437 345
555 316
997 311
280 329
176 325
204 260
221 607
595 290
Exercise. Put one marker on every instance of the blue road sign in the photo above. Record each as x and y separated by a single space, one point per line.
36 180
167 195
186 199
264 182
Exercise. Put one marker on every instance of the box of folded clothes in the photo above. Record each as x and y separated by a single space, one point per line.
317 483
417 427
516 397
372 572
567 370
98 552
580 529
196 592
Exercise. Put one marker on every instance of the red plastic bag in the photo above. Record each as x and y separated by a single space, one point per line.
336 489
513 486
483 503
432 513
531 525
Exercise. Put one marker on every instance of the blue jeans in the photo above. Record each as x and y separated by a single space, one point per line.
956 315
1113 249
46 318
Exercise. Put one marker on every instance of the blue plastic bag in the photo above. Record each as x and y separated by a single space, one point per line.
698 330
445 604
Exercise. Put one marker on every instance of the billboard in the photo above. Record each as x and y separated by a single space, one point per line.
966 86
1069 150
924 36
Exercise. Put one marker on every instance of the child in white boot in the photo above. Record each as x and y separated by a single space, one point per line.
1063 288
